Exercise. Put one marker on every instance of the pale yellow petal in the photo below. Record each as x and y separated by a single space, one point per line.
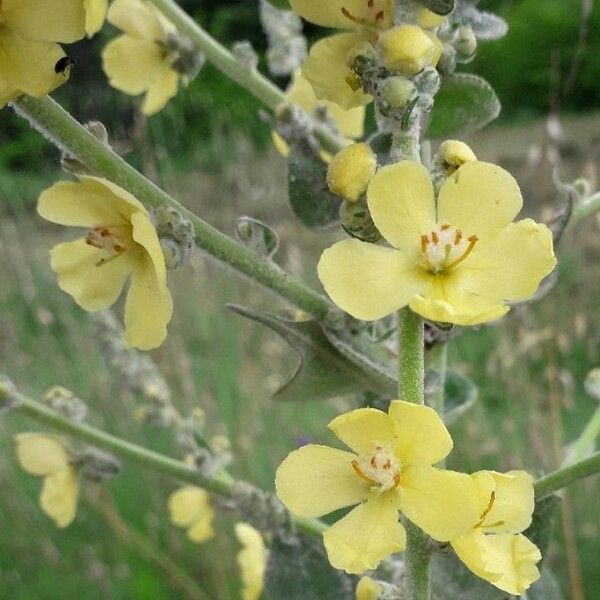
511 265
368 281
368 589
187 505
95 13
202 530
315 480
132 64
145 234
513 501
40 454
326 70
148 309
514 557
94 285
366 535
47 20
445 302
472 549
402 206
331 12
28 65
59 496
164 87
421 436
442 503
136 18
479 198
363 429
252 560
89 203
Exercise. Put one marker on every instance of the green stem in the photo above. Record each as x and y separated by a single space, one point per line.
437 360
221 483
586 439
59 127
547 485
588 207
258 85
411 377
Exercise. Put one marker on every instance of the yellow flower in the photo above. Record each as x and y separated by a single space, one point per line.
367 589
138 62
350 123
388 470
408 49
45 456
351 170
327 65
252 560
121 242
95 13
494 548
29 32
190 507
455 153
457 260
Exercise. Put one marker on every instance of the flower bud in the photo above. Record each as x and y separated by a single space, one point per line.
408 49
65 402
447 62
176 235
9 397
428 19
361 56
397 91
455 154
466 43
97 466
351 170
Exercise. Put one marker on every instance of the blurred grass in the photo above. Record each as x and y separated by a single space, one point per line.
527 368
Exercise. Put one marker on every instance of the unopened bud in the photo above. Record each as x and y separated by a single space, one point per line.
408 49
245 55
72 164
447 62
176 235
356 221
397 91
466 43
220 444
65 402
185 58
98 466
583 187
428 19
361 57
351 171
9 396
455 153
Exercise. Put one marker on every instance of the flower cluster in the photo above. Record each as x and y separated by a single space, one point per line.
455 256
389 470
31 61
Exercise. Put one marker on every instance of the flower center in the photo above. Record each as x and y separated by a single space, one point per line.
112 240
379 11
445 248
381 469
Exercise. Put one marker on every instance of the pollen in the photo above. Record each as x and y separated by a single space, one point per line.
110 239
380 469
445 248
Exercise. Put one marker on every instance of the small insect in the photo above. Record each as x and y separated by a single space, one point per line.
64 65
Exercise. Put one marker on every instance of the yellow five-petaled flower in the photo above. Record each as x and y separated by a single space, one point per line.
121 242
29 32
388 470
457 259
190 507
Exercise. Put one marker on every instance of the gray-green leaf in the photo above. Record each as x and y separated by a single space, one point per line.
257 236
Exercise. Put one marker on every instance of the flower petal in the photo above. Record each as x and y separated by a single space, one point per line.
471 548
187 505
366 535
511 265
252 560
40 454
445 302
326 70
315 480
164 87
369 281
402 205
137 18
50 20
148 309
145 234
27 66
363 429
93 286
330 13
132 64
92 202
479 198
59 496
95 13
368 589
442 503
513 501
421 436
514 557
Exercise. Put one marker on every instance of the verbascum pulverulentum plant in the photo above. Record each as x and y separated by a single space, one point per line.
31 60
433 238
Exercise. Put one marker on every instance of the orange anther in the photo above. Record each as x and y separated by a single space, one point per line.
434 237
359 472
424 243
457 237
472 241
445 226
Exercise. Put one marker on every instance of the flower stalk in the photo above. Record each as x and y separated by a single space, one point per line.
561 478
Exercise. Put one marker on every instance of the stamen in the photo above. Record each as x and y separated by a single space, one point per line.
445 226
397 481
486 512
359 472
435 237
424 243
380 16
370 3
457 237
349 15
472 241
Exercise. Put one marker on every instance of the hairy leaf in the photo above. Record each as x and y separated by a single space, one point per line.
257 236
